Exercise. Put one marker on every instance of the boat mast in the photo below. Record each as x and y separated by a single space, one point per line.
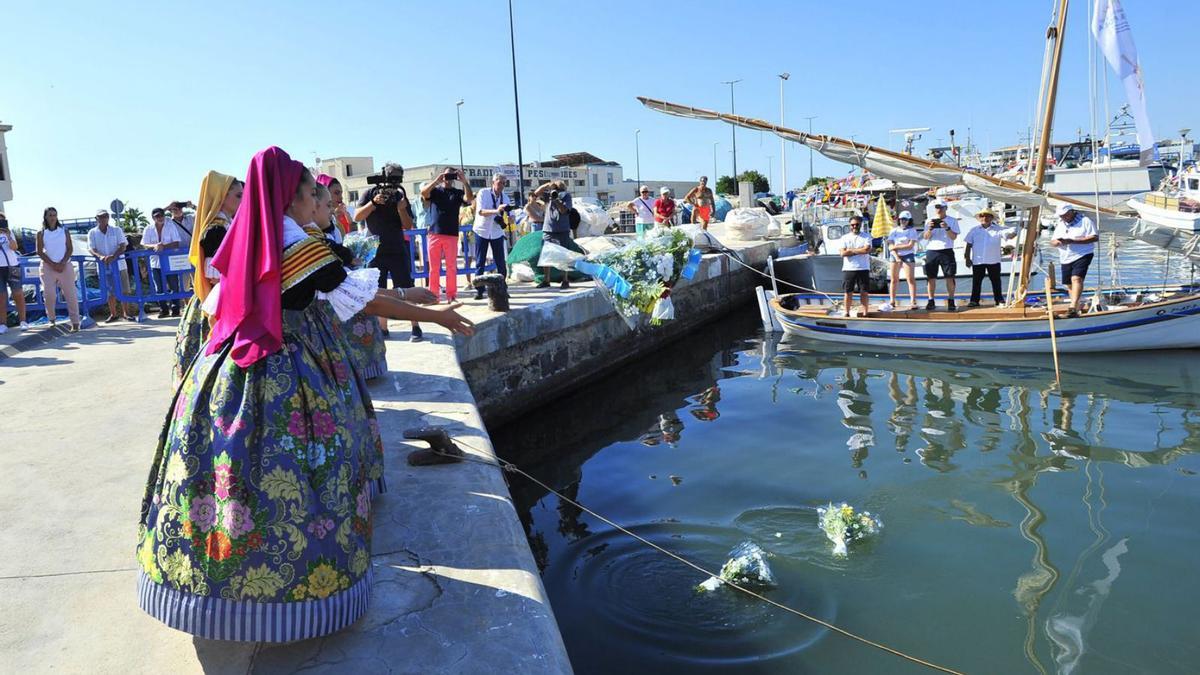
1054 33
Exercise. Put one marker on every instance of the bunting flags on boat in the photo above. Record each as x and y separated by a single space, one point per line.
1112 33
883 224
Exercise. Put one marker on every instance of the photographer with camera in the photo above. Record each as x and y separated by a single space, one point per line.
388 213
492 213
939 236
445 200
557 226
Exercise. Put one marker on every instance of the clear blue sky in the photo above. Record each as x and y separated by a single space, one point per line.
138 99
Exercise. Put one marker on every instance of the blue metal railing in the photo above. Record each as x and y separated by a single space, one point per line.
150 284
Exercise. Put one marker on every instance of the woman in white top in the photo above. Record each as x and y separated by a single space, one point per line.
902 249
643 211
58 272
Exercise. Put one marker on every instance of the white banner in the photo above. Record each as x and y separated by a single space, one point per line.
1111 30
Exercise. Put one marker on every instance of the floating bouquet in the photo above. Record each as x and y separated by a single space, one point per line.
362 245
747 566
842 525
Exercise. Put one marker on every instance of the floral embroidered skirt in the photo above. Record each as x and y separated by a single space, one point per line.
256 524
367 346
190 337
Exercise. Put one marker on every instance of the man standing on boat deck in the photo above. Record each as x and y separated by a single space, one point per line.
939 236
856 265
1075 237
983 255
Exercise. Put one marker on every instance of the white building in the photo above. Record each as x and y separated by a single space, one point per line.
6 193
586 175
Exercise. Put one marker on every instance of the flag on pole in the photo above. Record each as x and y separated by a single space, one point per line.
882 225
1112 33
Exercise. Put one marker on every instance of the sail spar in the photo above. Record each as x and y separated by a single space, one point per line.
888 164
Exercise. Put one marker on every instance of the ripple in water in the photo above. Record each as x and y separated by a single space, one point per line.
648 603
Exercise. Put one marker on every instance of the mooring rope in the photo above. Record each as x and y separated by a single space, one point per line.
730 254
513 468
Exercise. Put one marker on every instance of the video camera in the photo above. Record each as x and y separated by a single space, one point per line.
389 181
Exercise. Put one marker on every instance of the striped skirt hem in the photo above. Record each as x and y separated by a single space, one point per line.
251 621
375 369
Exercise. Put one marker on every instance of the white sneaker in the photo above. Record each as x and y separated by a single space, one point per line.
3 329
885 307
24 326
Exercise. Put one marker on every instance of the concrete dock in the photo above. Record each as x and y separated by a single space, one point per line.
456 588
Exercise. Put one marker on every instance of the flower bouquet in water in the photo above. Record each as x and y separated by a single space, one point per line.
842 525
747 566
362 245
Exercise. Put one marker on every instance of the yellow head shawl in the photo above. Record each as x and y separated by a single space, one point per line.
212 194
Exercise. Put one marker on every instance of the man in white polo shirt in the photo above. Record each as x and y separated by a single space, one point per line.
983 255
1075 237
856 266
939 236
106 243
642 207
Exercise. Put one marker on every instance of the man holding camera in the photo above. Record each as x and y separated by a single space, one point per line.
939 236
557 227
445 200
385 208
491 216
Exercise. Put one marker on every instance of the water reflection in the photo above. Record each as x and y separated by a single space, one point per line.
1002 468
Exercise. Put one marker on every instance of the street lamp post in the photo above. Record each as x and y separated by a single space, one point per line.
733 130
770 171
458 114
715 144
512 43
637 149
810 151
783 77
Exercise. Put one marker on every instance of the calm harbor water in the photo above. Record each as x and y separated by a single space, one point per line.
1026 530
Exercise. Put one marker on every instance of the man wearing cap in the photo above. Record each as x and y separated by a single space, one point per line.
159 236
983 255
939 236
856 265
701 199
642 207
902 248
1075 237
107 243
664 208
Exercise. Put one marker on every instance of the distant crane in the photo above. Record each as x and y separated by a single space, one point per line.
911 136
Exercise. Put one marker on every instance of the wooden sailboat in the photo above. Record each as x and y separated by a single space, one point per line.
1120 321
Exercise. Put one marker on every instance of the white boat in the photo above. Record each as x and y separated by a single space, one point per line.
1133 321
1164 210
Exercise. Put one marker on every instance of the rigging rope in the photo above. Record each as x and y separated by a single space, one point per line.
513 468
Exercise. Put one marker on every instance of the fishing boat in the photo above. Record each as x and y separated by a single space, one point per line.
1116 322
1178 209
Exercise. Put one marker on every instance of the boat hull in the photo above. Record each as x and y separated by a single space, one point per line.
1169 324
1180 220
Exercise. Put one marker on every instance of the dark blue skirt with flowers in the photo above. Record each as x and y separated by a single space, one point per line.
256 524
367 346
190 337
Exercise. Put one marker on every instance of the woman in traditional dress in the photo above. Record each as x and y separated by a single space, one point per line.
219 199
256 522
363 334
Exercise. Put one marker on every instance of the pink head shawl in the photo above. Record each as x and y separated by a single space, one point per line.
249 305
324 179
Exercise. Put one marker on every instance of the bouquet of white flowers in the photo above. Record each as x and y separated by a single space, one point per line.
362 245
842 525
747 566
639 277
